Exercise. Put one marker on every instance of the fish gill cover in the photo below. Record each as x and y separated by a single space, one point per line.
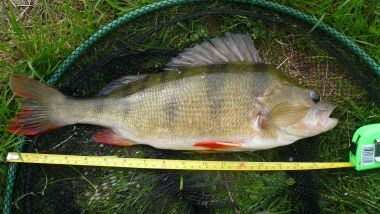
310 57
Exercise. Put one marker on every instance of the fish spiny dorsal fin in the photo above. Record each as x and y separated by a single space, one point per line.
122 81
230 48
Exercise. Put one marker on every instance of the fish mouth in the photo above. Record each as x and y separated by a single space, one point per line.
324 117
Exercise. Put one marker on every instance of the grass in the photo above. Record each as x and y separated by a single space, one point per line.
358 20
34 39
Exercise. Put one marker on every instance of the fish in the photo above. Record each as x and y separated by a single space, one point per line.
216 96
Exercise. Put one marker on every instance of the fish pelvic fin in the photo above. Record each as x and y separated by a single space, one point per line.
207 152
232 48
215 145
36 116
108 136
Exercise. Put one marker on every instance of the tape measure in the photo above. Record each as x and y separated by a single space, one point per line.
109 161
364 154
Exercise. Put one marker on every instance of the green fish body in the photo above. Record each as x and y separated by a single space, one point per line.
215 96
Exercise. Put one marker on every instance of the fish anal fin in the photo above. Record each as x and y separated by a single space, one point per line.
215 145
108 136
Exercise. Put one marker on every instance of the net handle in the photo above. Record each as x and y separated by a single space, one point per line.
375 68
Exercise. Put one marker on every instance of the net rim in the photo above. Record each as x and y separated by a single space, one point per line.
128 17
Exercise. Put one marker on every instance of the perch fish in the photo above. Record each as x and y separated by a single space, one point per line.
217 95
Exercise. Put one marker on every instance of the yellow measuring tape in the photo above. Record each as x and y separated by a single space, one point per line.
110 161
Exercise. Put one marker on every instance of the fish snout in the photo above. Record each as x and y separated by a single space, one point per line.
324 111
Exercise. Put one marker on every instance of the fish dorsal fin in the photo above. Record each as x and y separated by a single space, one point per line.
230 48
118 83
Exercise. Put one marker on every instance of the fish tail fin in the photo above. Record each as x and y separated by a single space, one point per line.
39 100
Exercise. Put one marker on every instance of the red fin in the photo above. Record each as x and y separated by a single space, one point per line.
26 130
218 145
108 136
207 152
36 116
32 122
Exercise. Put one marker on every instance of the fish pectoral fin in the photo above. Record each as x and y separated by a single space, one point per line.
286 113
214 145
108 136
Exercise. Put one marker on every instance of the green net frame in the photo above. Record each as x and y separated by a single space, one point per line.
371 64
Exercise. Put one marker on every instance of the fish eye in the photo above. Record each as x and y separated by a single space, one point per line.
315 96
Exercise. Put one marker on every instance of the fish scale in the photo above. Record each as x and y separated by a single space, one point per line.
195 111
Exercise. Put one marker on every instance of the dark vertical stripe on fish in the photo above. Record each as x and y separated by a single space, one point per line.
126 109
215 85
170 107
100 106
163 76
140 85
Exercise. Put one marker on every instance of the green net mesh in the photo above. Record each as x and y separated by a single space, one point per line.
143 43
